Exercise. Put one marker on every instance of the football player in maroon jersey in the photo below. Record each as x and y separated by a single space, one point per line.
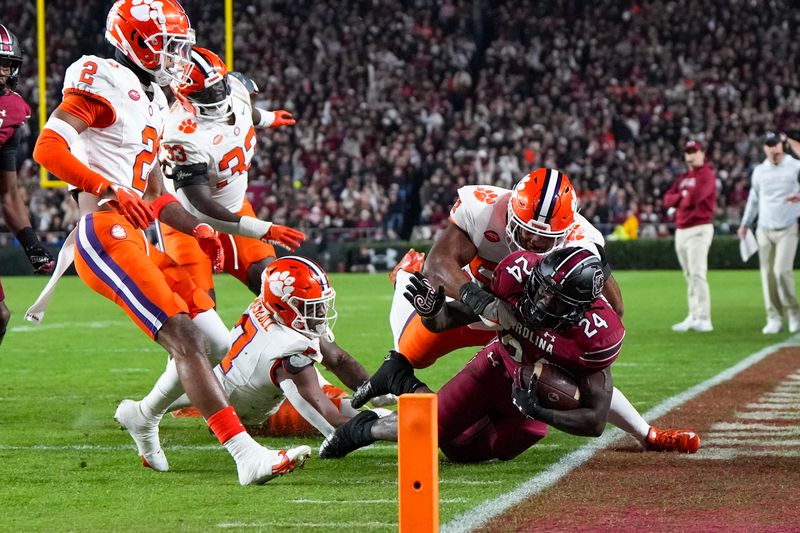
488 411
13 114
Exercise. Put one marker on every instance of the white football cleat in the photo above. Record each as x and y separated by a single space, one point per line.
145 434
268 464
703 326
685 325
773 326
794 322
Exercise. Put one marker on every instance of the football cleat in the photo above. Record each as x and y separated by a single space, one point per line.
411 262
144 432
394 376
672 440
355 434
268 464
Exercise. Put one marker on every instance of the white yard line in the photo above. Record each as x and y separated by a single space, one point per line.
488 509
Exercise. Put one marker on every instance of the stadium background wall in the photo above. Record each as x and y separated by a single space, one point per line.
657 254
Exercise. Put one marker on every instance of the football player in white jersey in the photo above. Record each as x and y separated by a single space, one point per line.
486 224
275 345
103 140
208 143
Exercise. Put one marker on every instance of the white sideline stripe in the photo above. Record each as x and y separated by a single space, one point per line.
771 442
121 447
790 431
738 426
489 509
726 454
294 524
770 415
68 324
771 405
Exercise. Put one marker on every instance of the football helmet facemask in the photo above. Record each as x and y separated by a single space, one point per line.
563 286
299 295
541 211
10 56
207 90
155 34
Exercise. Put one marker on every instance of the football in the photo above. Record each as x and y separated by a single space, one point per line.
556 389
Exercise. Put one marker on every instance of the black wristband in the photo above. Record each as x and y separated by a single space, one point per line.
27 238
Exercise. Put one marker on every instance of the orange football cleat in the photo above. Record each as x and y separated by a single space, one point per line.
672 440
411 262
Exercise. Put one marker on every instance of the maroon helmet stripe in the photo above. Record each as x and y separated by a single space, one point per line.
566 266
5 37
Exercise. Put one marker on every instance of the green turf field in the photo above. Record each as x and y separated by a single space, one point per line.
66 466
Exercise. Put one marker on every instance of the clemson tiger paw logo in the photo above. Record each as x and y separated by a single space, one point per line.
188 126
281 284
485 195
144 10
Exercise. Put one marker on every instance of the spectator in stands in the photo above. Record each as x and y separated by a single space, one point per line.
774 183
692 198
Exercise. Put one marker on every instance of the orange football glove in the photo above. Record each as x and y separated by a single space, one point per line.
134 209
284 237
210 244
282 118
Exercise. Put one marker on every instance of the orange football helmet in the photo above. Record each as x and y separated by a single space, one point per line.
207 90
155 34
298 293
543 203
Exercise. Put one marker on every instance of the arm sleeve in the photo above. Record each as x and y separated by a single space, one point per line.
52 152
672 196
751 209
8 152
305 409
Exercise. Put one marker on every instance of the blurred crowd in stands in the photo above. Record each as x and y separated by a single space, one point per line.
400 103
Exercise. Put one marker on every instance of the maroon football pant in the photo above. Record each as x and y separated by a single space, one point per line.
477 419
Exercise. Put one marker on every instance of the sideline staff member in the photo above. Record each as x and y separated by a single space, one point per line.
694 196
774 183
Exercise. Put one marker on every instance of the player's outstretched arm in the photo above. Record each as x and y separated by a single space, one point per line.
15 212
196 191
429 303
451 251
342 364
613 294
589 420
303 391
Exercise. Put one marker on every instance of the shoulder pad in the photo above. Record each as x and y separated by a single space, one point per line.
248 83
90 75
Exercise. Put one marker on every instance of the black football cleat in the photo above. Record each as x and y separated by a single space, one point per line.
355 434
394 376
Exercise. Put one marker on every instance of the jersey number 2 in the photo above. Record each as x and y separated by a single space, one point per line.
145 157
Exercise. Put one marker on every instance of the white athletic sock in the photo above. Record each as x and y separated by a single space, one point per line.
346 409
625 416
167 389
217 336
241 445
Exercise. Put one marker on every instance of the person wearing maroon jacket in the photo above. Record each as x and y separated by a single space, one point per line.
693 198
489 410
13 114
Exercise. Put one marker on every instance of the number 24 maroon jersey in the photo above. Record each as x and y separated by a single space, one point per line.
591 345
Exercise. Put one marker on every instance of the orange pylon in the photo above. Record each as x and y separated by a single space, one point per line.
418 464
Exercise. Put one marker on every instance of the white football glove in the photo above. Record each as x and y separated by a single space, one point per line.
383 401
